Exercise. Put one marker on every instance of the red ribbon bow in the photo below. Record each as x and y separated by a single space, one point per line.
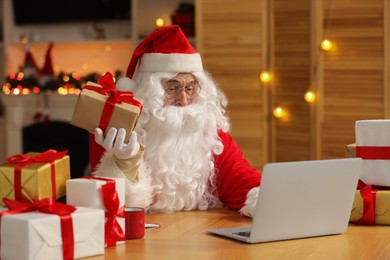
22 160
368 193
113 231
48 206
114 97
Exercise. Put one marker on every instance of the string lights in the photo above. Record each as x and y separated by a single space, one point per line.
160 22
265 76
310 96
279 112
326 45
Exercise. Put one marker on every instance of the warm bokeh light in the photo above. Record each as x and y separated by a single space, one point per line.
265 76
65 78
26 91
160 22
279 112
310 96
15 91
36 90
62 91
326 45
20 76
107 47
76 76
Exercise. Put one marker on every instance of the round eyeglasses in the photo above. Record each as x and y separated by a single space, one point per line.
173 90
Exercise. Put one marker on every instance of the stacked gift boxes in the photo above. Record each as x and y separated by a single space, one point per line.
372 199
45 229
93 217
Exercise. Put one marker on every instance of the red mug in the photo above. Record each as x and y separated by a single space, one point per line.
134 222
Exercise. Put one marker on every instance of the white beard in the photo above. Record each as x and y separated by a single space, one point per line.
180 143
179 146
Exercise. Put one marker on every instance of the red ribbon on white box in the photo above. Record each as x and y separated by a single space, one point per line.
373 152
113 231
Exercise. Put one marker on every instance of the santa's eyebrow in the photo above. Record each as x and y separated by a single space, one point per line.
173 81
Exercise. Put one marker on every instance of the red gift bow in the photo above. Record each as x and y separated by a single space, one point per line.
48 206
368 193
113 231
373 152
114 97
22 160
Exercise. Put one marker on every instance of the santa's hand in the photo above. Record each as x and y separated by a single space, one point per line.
114 142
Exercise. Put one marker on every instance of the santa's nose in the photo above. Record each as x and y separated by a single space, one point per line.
182 99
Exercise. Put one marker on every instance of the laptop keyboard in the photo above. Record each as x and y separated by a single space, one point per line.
243 233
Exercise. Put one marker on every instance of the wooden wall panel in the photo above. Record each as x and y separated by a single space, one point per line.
353 72
291 68
229 38
238 39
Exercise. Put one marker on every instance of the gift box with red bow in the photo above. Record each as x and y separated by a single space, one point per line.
34 176
371 205
373 146
101 105
103 193
50 230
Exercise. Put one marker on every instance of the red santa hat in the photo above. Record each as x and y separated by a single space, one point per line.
47 68
166 49
29 60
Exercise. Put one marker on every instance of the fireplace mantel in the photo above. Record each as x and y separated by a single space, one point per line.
20 111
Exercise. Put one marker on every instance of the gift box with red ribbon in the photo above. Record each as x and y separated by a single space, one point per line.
34 176
47 229
371 205
373 146
101 105
103 193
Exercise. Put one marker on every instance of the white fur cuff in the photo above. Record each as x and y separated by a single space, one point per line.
250 203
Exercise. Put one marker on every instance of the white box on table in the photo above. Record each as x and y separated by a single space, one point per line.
36 235
374 133
86 192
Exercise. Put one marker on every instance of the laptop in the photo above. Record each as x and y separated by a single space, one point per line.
301 199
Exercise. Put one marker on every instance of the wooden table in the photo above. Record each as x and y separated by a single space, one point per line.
183 236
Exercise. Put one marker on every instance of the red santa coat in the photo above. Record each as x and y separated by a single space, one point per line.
235 177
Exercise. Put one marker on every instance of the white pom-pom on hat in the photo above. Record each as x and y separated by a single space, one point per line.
125 84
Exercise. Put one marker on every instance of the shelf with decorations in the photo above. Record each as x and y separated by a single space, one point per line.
85 49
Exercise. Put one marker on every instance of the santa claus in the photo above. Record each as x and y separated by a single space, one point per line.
180 155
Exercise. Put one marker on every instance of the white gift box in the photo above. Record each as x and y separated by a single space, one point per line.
35 235
374 133
87 192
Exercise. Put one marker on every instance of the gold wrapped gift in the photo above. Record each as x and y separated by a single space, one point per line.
382 207
89 109
36 179
350 151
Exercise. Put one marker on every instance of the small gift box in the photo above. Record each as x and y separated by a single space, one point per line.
371 206
105 193
34 176
105 107
350 151
373 146
51 232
